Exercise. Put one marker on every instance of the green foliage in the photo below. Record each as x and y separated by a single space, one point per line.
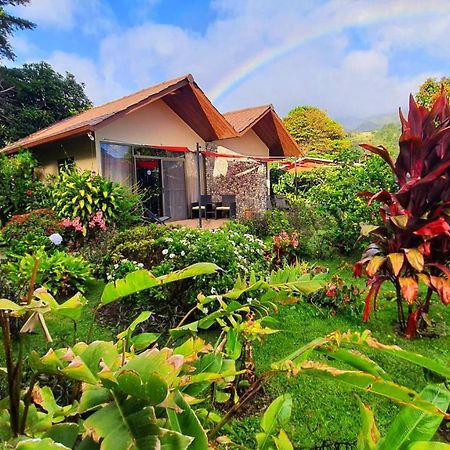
8 25
165 249
88 201
430 89
331 196
273 423
36 96
315 132
20 190
337 296
27 232
59 272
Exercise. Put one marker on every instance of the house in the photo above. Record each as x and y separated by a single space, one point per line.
151 137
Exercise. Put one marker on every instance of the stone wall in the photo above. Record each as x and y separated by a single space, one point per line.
245 179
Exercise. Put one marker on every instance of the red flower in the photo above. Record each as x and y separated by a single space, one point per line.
29 192
331 291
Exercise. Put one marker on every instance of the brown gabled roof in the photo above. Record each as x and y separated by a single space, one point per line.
266 123
244 119
181 94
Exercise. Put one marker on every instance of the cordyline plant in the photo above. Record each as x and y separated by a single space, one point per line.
412 247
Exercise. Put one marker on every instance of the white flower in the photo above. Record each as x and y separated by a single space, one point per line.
56 238
140 265
182 253
116 266
205 310
249 300
165 251
171 255
109 277
213 290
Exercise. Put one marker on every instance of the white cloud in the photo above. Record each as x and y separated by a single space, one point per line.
303 52
56 13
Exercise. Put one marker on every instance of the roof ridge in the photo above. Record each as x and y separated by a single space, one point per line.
266 106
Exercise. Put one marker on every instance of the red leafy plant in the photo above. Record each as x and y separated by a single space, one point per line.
412 246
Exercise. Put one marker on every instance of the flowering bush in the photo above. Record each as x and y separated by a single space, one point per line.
26 232
338 296
285 248
164 249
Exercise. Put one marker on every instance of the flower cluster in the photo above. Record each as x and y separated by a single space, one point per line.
73 223
98 221
285 247
122 268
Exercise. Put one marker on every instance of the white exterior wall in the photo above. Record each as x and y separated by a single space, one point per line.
155 124
248 144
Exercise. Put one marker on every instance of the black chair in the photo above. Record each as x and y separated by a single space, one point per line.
226 207
150 216
206 207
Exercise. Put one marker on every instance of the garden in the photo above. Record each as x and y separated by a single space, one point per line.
324 325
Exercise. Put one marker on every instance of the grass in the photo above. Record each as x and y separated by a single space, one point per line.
327 411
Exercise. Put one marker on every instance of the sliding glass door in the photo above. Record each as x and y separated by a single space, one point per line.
174 188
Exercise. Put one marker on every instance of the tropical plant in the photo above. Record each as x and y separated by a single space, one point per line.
411 429
274 420
20 189
87 202
59 272
430 90
412 245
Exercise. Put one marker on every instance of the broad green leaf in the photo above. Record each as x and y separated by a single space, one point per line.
368 435
124 425
187 423
356 360
143 340
40 444
425 445
191 271
275 418
282 441
93 397
152 387
373 384
134 282
366 230
172 440
233 344
9 305
143 316
63 433
412 425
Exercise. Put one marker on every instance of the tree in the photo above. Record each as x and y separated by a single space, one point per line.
315 132
8 25
430 89
36 96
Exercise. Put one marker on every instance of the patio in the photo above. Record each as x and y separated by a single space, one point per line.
207 224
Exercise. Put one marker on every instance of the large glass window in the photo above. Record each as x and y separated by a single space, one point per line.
117 162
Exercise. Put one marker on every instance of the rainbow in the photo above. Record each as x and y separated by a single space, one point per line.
370 16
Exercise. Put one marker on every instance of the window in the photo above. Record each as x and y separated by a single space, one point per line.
116 162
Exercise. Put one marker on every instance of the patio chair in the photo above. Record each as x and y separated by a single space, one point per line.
226 207
206 207
151 217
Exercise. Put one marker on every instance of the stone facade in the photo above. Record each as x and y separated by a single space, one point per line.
246 179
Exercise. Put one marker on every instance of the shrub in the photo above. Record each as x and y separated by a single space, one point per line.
332 194
27 232
164 249
20 190
86 201
61 273
338 297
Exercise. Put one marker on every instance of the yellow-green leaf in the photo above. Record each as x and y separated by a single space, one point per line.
415 258
374 264
396 260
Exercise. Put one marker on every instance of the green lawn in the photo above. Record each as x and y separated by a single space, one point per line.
327 411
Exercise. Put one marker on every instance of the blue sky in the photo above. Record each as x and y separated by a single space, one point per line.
355 58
